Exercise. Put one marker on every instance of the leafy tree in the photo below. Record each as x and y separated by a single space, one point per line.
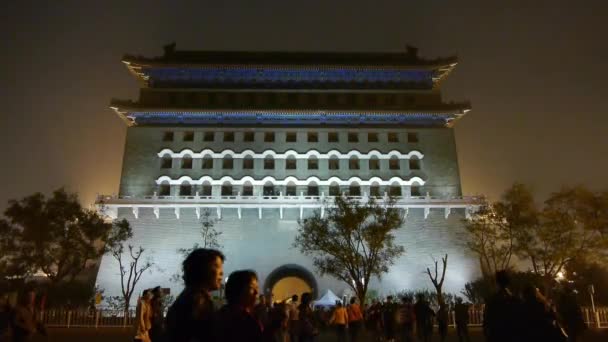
129 258
583 274
55 235
353 241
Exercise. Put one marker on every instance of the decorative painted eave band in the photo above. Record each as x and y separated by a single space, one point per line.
289 154
291 180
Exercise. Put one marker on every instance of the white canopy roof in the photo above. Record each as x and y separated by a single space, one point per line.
328 299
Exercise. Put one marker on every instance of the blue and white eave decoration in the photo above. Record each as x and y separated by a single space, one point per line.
269 76
278 118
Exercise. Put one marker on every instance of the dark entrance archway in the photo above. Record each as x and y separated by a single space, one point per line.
291 271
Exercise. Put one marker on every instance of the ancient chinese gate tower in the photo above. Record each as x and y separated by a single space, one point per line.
260 138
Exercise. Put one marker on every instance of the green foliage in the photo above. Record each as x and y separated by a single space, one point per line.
55 235
353 241
75 294
581 274
480 290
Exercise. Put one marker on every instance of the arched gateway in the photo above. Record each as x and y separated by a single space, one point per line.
288 280
264 139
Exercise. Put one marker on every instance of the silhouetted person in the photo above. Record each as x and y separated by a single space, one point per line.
24 323
339 319
538 318
189 319
407 319
442 321
373 318
294 316
307 325
276 329
571 315
502 314
5 317
236 321
461 313
424 319
355 319
389 313
157 330
262 310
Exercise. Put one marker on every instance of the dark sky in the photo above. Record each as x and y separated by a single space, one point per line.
535 72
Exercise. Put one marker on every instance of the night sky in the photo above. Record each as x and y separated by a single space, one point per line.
534 71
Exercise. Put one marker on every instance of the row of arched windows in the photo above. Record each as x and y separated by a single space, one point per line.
354 163
269 189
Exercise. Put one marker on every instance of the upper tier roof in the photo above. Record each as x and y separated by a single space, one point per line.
372 70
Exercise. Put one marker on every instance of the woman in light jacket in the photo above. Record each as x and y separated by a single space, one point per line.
143 316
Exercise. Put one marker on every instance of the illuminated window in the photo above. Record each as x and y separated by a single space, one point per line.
248 136
268 163
393 137
228 136
353 137
269 137
393 163
353 163
415 191
227 163
313 163
168 136
185 190
290 137
207 163
313 137
188 136
414 164
334 163
290 163
332 137
372 137
248 163
412 137
186 162
166 162
374 163
209 136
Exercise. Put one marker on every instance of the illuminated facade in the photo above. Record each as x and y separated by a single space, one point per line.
260 139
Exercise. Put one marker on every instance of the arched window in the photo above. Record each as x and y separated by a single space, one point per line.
207 162
290 189
334 163
290 163
206 189
415 191
393 163
313 163
268 189
164 189
269 163
374 190
247 189
248 163
227 189
354 189
186 162
227 163
374 163
185 189
353 163
313 189
334 189
395 189
166 162
414 163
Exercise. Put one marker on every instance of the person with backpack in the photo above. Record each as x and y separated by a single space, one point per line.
406 319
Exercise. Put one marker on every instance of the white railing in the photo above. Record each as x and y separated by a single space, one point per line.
103 318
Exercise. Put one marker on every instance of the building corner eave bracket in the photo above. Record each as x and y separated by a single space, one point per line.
136 212
156 212
427 211
447 212
177 212
197 210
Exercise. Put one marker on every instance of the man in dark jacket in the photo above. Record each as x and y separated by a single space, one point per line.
502 314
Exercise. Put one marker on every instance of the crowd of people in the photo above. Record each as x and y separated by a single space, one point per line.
250 316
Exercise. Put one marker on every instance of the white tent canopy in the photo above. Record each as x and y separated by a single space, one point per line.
328 299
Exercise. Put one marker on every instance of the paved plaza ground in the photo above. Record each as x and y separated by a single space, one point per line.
125 335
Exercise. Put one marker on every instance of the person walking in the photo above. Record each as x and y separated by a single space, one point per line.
538 320
157 329
502 314
355 319
407 319
307 324
424 319
294 316
236 321
262 311
339 319
461 313
571 315
143 317
190 318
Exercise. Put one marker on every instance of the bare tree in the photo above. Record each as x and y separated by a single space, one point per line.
438 282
